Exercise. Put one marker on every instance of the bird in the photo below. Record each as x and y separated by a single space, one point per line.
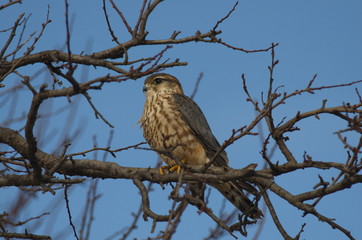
176 128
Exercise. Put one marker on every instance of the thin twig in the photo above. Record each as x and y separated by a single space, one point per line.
275 217
196 88
224 18
129 29
114 38
11 2
12 35
70 66
68 211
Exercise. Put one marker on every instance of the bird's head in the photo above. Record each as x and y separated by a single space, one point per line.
161 82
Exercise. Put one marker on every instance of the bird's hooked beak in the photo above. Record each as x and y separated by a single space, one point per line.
146 87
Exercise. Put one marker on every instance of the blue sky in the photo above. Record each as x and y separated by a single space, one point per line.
315 37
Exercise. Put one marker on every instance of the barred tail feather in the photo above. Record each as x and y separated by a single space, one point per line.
233 193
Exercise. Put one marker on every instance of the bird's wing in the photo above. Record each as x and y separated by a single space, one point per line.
192 115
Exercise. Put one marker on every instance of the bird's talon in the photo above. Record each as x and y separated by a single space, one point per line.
176 168
162 169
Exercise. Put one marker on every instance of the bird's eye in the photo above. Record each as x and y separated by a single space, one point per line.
157 81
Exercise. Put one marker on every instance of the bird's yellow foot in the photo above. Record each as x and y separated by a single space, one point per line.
174 168
177 167
162 169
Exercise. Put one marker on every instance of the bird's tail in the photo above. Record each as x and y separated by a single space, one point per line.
233 192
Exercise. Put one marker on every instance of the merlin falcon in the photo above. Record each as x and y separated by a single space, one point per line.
176 128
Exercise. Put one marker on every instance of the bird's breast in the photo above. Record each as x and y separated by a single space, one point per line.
167 132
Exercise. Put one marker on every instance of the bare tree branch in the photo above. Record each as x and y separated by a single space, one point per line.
27 166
